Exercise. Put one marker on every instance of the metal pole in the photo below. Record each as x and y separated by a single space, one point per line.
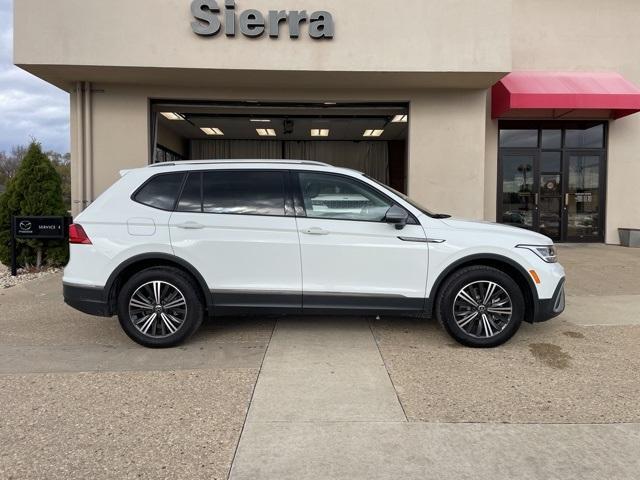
14 260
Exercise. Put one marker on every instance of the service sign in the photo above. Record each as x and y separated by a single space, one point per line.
40 227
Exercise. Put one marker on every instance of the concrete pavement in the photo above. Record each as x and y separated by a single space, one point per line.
329 398
320 413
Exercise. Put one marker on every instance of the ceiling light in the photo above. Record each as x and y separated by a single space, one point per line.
266 132
330 103
212 131
265 120
172 116
400 119
319 132
372 133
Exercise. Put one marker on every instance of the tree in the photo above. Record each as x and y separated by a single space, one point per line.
62 164
8 167
34 190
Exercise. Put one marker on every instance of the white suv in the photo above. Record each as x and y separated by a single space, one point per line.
170 243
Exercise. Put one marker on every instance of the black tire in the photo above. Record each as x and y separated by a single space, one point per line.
160 333
474 277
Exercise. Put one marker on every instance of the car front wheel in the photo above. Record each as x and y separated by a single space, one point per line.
480 306
160 307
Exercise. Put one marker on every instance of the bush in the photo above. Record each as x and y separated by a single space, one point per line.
34 191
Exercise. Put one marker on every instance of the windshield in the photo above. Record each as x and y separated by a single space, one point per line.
407 199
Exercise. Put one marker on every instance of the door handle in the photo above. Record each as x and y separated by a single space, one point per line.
190 226
316 231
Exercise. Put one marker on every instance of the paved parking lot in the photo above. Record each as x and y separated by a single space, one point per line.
327 397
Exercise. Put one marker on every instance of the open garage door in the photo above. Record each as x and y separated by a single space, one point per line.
370 137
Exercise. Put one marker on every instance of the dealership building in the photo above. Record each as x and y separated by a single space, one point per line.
516 111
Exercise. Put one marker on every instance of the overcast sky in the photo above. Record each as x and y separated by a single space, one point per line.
29 107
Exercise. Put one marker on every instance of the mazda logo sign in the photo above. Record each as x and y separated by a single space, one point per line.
25 225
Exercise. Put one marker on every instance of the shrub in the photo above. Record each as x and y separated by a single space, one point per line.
35 190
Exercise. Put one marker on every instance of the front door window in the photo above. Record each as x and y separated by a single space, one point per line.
551 179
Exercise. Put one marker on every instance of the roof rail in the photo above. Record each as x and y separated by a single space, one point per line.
214 162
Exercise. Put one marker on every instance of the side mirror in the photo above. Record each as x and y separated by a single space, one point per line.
397 216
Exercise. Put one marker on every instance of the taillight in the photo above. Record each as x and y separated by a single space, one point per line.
78 235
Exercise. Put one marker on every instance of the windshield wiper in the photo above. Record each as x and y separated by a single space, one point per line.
441 215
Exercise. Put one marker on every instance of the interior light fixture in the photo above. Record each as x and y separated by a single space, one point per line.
266 132
172 116
260 120
319 132
372 133
212 131
400 119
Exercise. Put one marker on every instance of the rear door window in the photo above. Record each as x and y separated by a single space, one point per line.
191 198
161 191
244 192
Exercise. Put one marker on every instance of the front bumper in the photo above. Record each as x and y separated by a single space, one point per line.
549 308
88 300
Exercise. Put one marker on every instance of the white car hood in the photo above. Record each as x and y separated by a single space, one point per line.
522 235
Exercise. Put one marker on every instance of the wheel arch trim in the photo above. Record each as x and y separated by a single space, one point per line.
476 259
165 257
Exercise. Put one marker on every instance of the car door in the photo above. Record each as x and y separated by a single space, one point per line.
352 259
238 228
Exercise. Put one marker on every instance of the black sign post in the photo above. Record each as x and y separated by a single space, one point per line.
36 228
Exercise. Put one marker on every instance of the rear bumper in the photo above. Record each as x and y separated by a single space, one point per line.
88 300
549 308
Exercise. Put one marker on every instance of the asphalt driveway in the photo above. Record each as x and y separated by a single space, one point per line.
325 397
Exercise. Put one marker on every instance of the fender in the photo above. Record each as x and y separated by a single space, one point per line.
168 258
478 258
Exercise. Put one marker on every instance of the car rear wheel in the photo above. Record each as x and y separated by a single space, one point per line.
160 307
480 306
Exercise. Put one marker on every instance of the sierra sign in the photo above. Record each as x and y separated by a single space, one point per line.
252 23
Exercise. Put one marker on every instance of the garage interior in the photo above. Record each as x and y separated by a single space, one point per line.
371 137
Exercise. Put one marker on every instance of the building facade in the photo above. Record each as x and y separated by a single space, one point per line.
517 111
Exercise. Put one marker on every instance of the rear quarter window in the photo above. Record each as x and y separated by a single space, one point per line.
161 191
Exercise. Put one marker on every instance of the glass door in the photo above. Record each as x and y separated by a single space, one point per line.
517 206
583 199
549 195
552 178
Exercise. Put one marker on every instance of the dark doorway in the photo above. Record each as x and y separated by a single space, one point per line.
368 137
552 178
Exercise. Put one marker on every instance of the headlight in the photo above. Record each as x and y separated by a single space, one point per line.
548 253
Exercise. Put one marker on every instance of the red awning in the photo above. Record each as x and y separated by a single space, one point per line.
564 95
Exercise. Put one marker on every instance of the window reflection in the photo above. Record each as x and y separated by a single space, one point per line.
330 196
243 192
518 138
517 190
161 191
191 198
586 138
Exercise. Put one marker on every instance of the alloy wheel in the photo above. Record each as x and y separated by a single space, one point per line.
157 309
482 309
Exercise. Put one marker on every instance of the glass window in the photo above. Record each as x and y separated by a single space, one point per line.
191 198
550 162
517 190
551 138
243 192
161 191
585 138
519 138
340 198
